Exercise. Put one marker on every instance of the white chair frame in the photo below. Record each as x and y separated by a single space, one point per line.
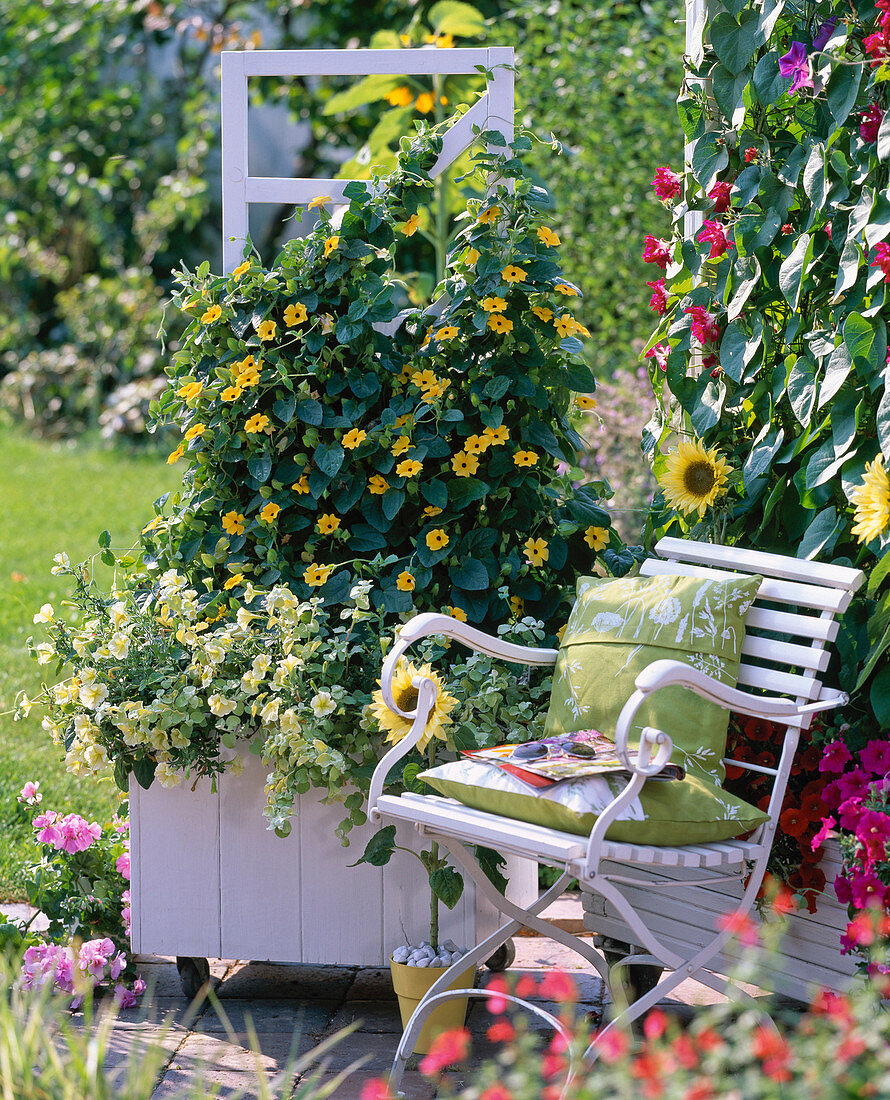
790 625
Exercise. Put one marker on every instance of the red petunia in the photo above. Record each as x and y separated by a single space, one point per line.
446 1049
501 1032
556 985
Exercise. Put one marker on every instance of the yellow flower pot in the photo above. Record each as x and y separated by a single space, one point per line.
412 982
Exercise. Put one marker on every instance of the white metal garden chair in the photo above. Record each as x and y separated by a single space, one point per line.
789 627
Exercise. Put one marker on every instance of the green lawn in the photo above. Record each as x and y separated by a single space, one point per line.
53 497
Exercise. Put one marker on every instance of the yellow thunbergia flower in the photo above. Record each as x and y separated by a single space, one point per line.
596 537
424 103
476 444
195 430
190 390
456 613
405 581
295 314
409 468
400 97
564 288
301 486
447 332
270 513
331 244
472 256
536 551
256 423
585 402
210 315
233 581
514 274
176 455
328 523
423 379
548 237
437 538
353 438
231 393
248 378
410 227
241 269
432 510
403 420
377 485
316 575
402 444
432 392
489 215
233 523
464 465
525 458
266 330
321 200
565 325
498 436
498 323
542 312
579 328
517 605
492 304
245 364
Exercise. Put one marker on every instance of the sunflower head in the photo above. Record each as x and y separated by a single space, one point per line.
694 477
872 502
405 695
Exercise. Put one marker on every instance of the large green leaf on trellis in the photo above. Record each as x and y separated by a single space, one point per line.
453 17
370 89
841 90
793 269
735 41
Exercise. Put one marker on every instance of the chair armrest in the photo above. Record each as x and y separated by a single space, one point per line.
666 673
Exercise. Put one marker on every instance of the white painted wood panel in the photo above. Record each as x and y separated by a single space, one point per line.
208 879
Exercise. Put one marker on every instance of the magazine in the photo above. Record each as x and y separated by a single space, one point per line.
572 756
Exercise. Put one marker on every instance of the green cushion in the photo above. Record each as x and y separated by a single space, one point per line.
687 811
618 627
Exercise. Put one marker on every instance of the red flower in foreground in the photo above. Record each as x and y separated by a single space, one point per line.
740 925
556 985
871 122
714 234
496 1092
376 1089
612 1045
656 251
501 1032
882 259
496 1005
719 193
773 1052
659 300
667 184
750 155
446 1049
704 326
655 1024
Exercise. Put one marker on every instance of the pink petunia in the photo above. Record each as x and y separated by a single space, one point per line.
667 184
867 889
828 823
659 300
873 829
713 233
719 193
875 757
656 251
30 794
853 784
835 757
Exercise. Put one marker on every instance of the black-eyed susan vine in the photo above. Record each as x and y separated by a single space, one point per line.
355 476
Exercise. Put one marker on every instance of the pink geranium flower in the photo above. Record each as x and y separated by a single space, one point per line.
667 184
659 300
714 234
30 794
76 834
656 251
47 830
122 865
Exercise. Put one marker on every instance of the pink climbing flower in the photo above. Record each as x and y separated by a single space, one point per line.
796 64
659 300
714 234
667 184
30 794
719 193
834 757
704 326
657 251
659 352
882 259
871 122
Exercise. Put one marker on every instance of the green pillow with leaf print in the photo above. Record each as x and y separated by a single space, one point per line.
618 627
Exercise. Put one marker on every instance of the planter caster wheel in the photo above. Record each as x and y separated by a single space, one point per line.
194 975
503 958
637 980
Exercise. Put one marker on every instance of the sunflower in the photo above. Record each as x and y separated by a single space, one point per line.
872 502
405 695
694 477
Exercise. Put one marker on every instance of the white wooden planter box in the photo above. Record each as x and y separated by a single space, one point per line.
209 880
809 952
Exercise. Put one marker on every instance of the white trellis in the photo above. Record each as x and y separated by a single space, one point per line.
493 111
209 880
